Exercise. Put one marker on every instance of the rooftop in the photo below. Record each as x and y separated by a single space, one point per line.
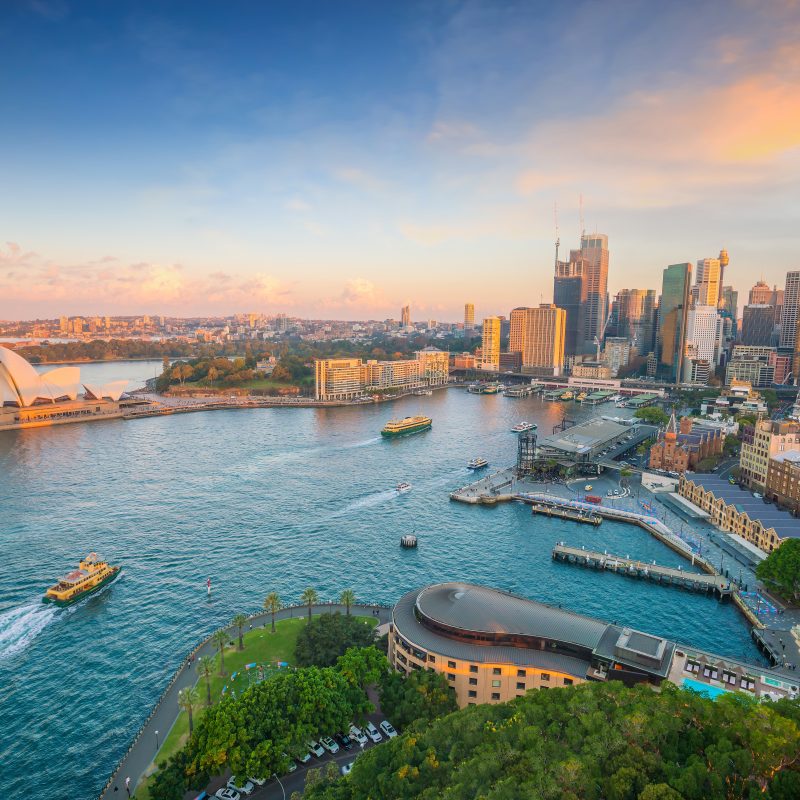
582 438
770 516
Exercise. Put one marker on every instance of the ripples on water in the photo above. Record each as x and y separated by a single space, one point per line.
261 500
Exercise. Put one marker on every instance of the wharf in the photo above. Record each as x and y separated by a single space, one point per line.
494 488
566 513
696 582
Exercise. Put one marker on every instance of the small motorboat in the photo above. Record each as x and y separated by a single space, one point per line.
522 427
477 463
403 487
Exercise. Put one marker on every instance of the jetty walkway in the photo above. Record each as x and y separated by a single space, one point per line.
136 761
695 581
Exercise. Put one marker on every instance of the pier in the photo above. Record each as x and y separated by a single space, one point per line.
566 513
696 582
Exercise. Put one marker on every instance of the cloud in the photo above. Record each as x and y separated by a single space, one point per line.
298 204
361 292
359 178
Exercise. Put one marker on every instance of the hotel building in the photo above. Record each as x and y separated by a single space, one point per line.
538 335
490 344
492 646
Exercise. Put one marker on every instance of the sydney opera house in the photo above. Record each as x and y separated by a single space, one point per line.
29 399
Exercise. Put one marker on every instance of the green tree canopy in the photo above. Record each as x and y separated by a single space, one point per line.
328 636
423 695
781 569
652 415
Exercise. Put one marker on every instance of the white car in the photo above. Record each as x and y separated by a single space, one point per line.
329 744
227 794
373 733
388 731
357 734
258 781
303 758
292 764
346 768
315 748
246 788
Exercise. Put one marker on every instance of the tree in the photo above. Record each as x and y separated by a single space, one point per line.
213 374
422 695
220 639
348 597
309 598
731 445
188 700
781 569
205 669
328 636
652 415
272 603
239 621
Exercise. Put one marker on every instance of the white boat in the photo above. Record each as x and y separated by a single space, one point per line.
477 463
522 427
403 487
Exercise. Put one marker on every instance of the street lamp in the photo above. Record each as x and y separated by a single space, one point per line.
156 741
280 784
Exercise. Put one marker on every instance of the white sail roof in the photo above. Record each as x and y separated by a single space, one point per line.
24 378
112 391
63 383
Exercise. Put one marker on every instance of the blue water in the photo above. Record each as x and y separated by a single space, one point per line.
706 689
262 500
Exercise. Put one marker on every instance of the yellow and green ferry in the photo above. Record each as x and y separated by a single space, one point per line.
406 426
92 574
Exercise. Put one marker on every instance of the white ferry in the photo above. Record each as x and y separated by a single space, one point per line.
403 487
523 426
477 463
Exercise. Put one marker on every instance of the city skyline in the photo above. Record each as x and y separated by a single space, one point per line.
280 176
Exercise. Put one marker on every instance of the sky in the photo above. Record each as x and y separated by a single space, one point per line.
339 159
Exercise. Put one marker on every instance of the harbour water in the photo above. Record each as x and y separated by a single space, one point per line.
262 500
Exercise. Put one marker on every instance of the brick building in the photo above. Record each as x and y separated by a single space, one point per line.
783 480
684 446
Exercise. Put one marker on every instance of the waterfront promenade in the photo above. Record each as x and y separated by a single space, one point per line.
137 760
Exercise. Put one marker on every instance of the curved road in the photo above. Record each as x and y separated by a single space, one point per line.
143 749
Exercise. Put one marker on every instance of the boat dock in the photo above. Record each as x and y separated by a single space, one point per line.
566 513
519 391
494 488
671 576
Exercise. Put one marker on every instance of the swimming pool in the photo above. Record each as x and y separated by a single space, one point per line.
712 692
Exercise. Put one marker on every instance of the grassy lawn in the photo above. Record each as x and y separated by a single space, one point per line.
261 646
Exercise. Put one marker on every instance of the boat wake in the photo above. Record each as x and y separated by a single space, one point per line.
370 500
20 626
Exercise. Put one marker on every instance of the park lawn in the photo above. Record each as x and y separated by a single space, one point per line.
261 646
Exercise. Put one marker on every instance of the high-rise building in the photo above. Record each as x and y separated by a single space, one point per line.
724 260
760 295
791 310
758 322
634 317
768 439
796 356
490 344
708 282
570 293
702 331
405 316
594 252
616 353
469 317
673 309
538 335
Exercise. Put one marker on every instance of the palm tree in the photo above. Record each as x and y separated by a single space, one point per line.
239 621
205 669
272 603
347 599
220 640
308 598
187 700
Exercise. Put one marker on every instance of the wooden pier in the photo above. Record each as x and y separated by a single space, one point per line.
670 576
566 513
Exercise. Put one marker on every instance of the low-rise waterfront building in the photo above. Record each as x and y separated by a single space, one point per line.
733 508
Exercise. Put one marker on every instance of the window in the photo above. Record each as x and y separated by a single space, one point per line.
496 684
520 673
452 677
567 681
545 676
520 684
496 671
431 658
470 704
473 693
473 668
451 664
473 681
495 695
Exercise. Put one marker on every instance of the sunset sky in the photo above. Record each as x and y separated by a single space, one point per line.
339 159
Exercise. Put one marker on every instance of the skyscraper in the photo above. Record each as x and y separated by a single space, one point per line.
569 293
703 332
594 251
673 309
791 310
405 316
538 335
469 317
634 311
708 289
758 322
490 344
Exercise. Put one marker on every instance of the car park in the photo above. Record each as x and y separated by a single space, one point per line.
227 794
329 744
373 733
344 741
246 788
315 748
388 730
357 734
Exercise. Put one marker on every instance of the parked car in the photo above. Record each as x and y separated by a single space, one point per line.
258 781
388 731
315 748
357 734
344 741
373 733
292 764
303 758
227 794
247 787
329 744
346 768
